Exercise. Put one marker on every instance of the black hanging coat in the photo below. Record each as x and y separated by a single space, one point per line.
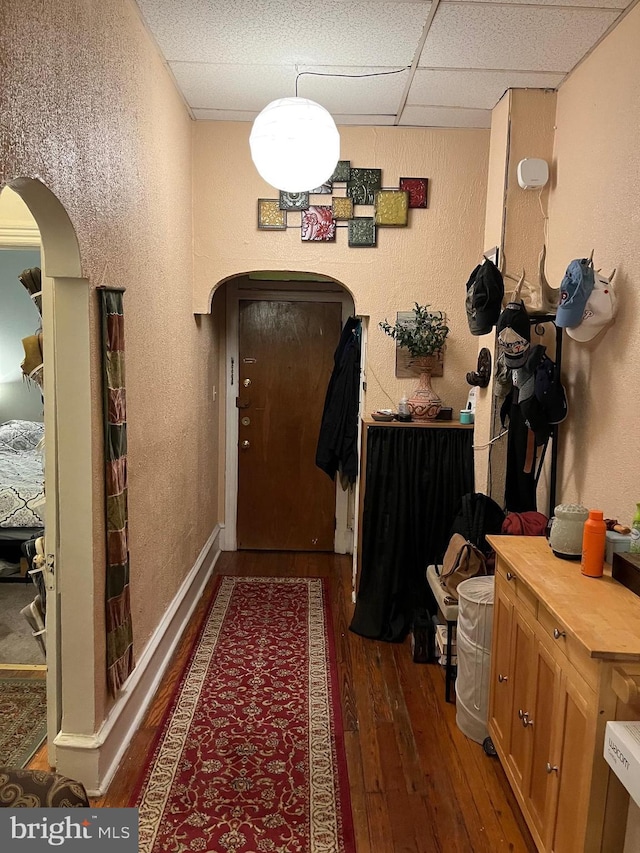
338 440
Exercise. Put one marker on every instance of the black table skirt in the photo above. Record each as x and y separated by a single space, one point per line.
415 478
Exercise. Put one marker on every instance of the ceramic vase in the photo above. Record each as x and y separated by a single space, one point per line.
424 403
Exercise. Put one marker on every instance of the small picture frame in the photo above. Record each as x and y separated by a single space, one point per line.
341 173
418 189
363 184
342 207
362 232
294 201
324 189
391 207
270 216
318 224
405 368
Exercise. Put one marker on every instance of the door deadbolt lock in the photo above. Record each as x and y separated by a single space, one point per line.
245 421
246 382
245 445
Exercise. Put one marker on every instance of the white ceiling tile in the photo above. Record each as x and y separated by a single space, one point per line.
233 87
534 38
444 117
479 88
268 32
232 57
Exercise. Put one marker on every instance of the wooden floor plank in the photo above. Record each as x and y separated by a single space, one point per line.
417 784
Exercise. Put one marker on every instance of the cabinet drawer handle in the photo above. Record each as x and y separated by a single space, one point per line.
557 633
510 576
503 678
521 713
552 768
526 721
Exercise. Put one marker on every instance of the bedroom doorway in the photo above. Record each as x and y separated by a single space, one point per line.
302 510
68 513
22 595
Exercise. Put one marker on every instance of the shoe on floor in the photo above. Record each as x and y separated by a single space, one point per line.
32 612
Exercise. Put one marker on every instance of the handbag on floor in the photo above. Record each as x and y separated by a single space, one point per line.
462 560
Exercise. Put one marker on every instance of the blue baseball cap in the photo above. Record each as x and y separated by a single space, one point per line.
575 290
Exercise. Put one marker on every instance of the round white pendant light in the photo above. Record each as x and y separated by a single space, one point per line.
295 144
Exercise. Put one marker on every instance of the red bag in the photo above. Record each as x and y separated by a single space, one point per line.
525 524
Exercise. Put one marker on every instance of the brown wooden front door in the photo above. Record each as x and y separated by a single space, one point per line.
285 361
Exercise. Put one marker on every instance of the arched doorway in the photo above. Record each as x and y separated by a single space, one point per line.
295 512
68 475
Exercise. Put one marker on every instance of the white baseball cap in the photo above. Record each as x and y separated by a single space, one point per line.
599 311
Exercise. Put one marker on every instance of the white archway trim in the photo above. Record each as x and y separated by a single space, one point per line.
58 235
69 511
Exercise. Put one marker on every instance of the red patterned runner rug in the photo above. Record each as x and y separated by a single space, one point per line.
251 754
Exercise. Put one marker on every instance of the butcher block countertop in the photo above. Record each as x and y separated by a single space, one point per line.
602 614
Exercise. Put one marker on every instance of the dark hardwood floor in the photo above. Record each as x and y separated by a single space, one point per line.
418 785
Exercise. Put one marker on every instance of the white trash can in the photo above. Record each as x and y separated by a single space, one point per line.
475 625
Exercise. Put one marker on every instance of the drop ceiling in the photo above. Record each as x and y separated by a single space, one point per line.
444 63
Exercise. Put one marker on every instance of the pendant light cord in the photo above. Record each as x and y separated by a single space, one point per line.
328 74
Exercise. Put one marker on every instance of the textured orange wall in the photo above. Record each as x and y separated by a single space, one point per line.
594 205
86 105
427 262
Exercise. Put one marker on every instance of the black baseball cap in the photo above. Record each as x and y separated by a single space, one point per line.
514 334
485 292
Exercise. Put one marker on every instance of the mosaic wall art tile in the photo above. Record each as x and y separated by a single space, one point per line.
362 185
342 172
325 189
270 216
318 223
342 207
417 189
294 201
362 231
391 207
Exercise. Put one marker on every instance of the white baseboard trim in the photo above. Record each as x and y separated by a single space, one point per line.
93 759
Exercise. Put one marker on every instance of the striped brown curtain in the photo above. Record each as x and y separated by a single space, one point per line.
120 658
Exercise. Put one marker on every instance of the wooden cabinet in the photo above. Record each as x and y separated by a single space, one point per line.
557 637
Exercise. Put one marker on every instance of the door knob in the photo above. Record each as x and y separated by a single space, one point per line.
245 445
246 383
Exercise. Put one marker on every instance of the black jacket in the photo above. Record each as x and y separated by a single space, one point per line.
338 440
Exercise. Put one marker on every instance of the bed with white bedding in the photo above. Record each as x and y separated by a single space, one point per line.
21 479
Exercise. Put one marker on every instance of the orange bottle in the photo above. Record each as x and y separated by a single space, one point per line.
593 544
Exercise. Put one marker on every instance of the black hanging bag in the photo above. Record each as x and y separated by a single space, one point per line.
478 516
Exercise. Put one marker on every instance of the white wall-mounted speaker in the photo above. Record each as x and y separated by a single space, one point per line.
532 173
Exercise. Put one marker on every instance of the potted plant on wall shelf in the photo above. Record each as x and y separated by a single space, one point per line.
424 336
